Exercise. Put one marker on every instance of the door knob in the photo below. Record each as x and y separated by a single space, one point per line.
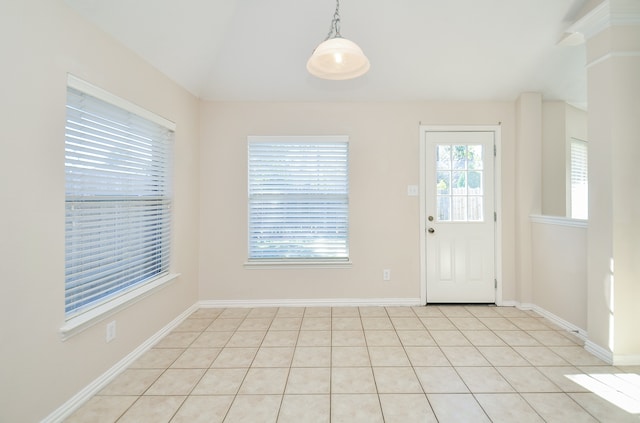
431 230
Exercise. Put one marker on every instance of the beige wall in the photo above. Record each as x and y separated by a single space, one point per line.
384 221
560 270
41 40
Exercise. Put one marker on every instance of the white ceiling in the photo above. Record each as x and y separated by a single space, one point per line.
256 50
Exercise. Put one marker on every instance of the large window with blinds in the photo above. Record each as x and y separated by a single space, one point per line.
579 179
118 197
298 198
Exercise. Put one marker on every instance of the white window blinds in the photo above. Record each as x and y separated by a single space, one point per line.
579 180
118 204
298 198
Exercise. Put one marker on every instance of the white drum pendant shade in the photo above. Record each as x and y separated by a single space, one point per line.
338 58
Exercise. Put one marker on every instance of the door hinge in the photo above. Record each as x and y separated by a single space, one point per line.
495 216
495 283
495 151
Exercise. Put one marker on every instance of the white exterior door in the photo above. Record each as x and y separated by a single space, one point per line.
460 220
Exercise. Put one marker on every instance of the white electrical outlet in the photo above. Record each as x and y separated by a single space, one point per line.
386 274
412 191
111 331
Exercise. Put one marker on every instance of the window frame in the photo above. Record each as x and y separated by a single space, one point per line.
309 262
78 321
571 203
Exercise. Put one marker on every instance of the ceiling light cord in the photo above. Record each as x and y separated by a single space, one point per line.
334 29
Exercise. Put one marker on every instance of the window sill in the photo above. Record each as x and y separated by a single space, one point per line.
85 320
298 264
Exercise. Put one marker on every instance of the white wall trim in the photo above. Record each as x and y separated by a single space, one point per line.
559 220
568 326
602 353
626 360
75 402
327 302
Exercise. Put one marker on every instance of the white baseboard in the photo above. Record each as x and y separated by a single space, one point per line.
602 353
626 360
581 333
66 409
328 302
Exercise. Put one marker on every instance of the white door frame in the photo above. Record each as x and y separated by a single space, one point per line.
497 198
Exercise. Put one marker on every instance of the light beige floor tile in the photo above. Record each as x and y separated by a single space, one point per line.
551 338
346 323
317 312
455 311
177 340
508 408
102 409
527 379
428 311
396 380
455 408
314 338
290 312
559 375
350 356
224 325
273 357
416 338
528 323
613 407
511 312
373 311
280 338
361 408
348 338
467 323
388 356
440 380
483 380
483 338
196 358
309 380
264 381
377 323
483 311
203 409
312 357
234 357
255 324
407 323
345 312
176 382
132 382
157 409
157 358
193 325
254 408
406 408
262 312
437 323
212 339
352 380
503 356
382 338
305 408
400 311
577 356
498 323
426 356
449 338
220 382
517 338
286 323
246 339
464 356
206 313
316 323
234 313
558 408
540 356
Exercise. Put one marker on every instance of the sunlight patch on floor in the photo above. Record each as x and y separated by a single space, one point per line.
620 389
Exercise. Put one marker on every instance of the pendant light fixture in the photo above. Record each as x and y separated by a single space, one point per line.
337 58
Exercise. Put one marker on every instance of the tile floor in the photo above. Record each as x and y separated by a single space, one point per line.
367 364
